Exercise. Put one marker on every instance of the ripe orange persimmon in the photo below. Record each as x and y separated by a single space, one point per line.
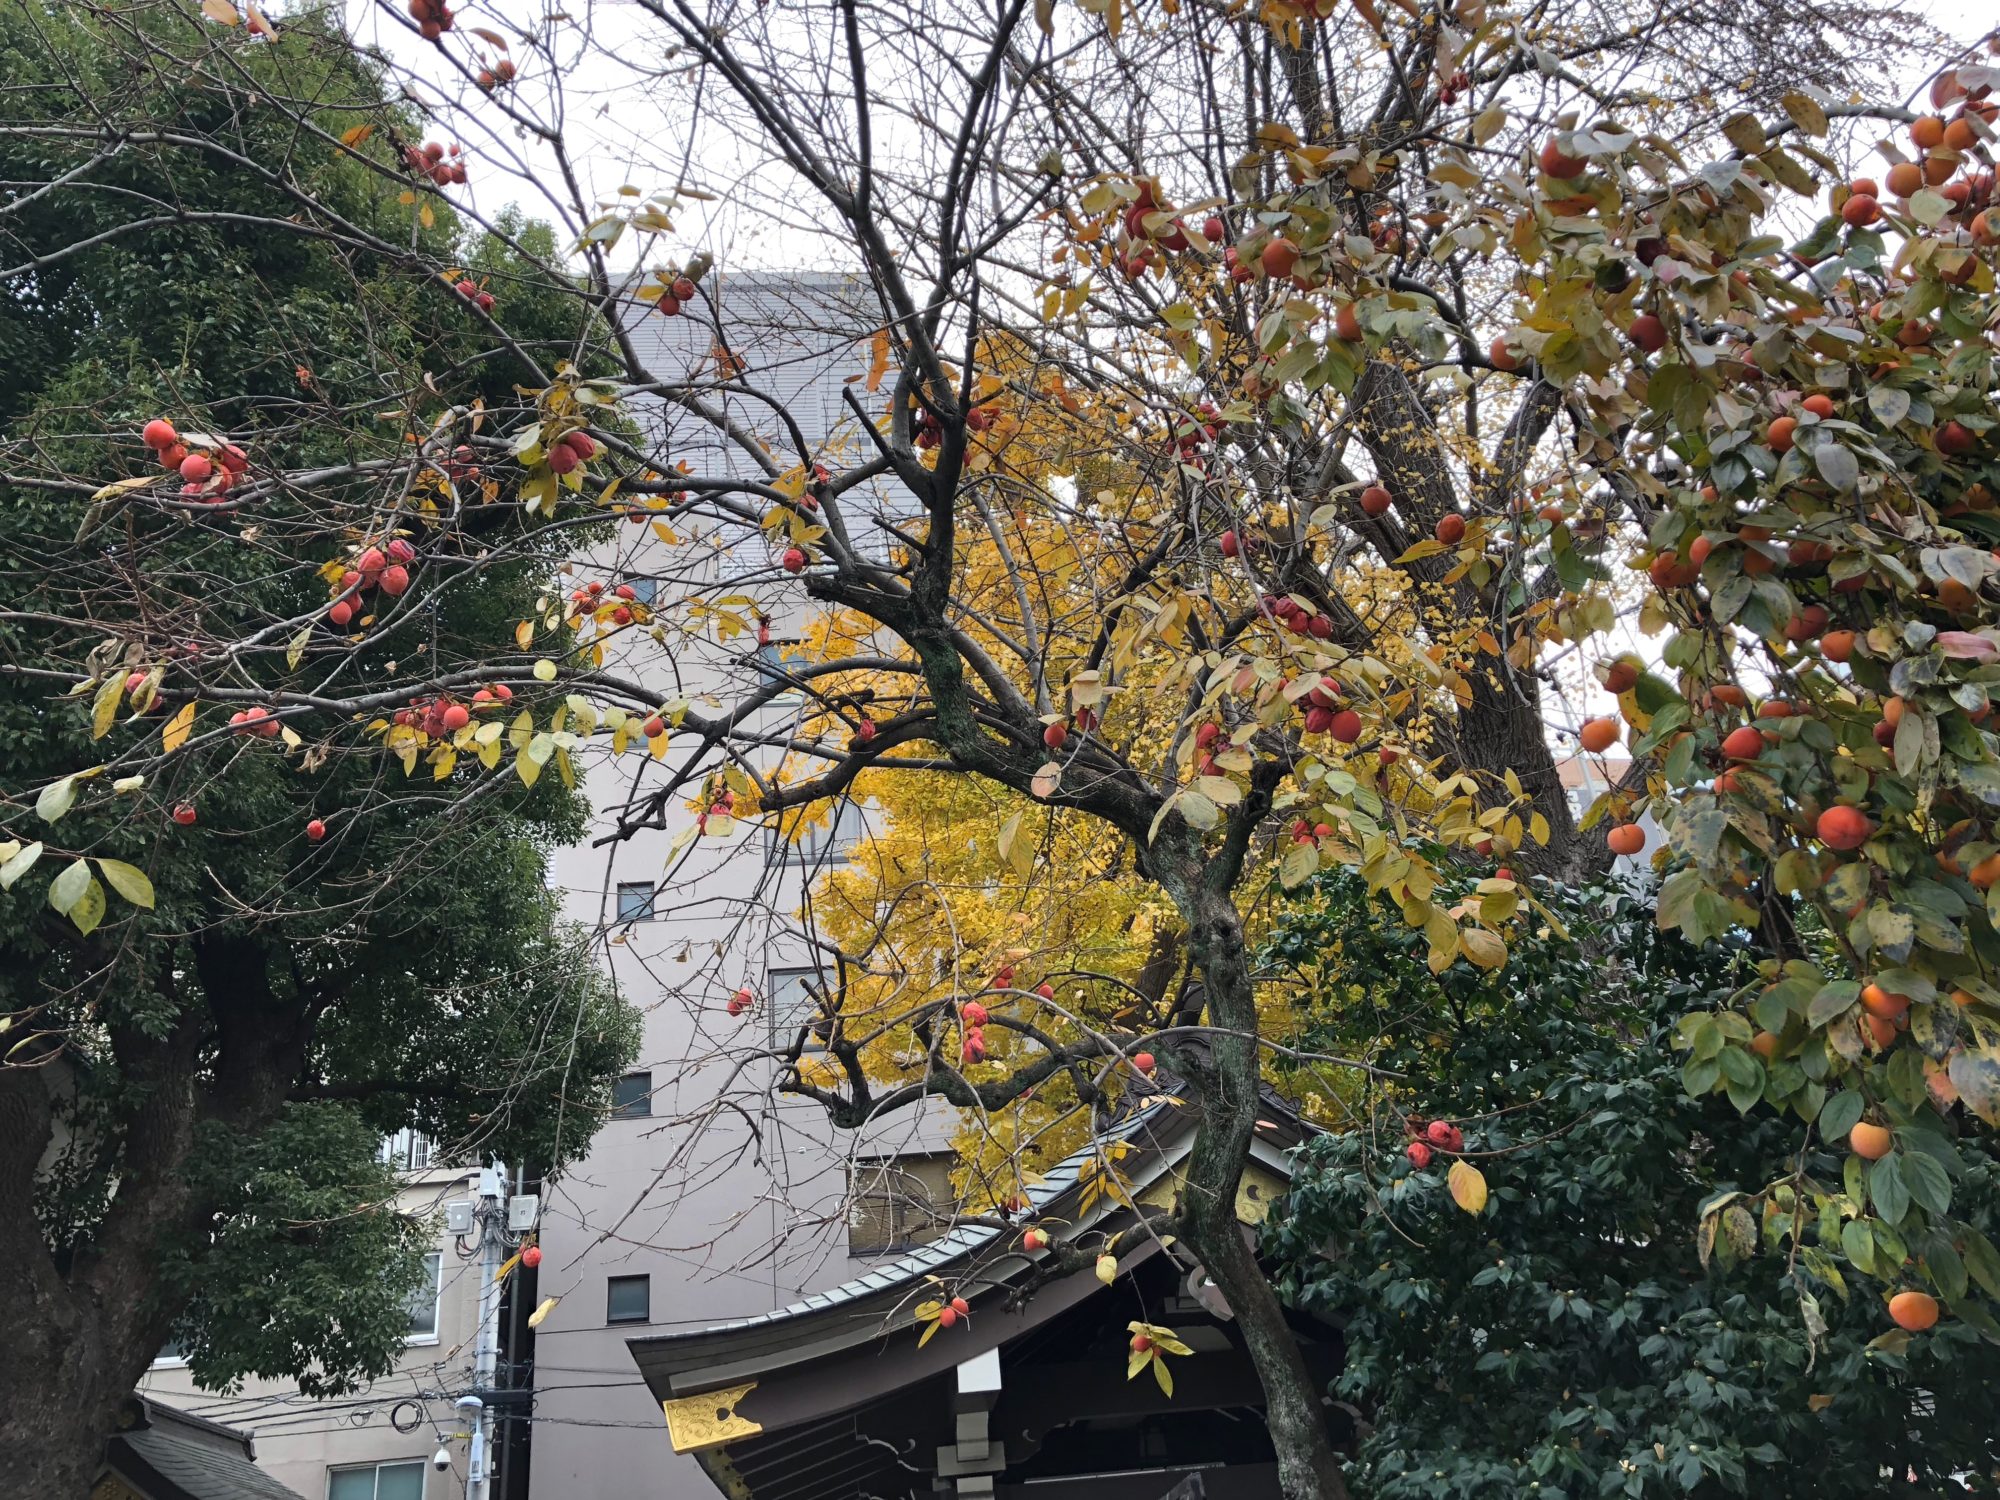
1844 828
1598 735
1626 839
1870 1141
1884 1003
1914 1311
1744 743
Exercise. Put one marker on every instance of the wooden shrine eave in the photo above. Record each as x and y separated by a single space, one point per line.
837 1352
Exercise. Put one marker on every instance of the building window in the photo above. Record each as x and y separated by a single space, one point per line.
406 1150
173 1353
635 900
632 1097
424 1302
898 1203
776 661
824 843
628 1299
644 590
796 996
397 1481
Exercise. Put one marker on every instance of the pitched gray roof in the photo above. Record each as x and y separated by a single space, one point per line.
964 1240
175 1456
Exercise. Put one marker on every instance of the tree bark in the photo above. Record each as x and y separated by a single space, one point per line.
1227 1083
56 1406
82 1330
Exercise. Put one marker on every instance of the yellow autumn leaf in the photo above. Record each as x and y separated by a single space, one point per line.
104 710
123 486
221 10
548 1305
357 135
1468 1186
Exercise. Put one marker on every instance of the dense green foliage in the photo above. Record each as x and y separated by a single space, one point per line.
1573 1339
222 1061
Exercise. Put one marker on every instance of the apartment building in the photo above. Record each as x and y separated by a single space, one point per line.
379 1444
707 1196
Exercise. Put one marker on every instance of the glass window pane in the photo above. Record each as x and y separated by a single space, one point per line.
635 900
825 843
794 1004
350 1484
632 1097
424 1300
399 1482
628 1299
776 660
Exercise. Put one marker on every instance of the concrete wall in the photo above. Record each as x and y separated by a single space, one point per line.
299 1441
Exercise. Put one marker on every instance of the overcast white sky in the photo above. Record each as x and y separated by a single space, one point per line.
615 131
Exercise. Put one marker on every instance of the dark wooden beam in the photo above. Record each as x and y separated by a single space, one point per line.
1238 1482
1041 1397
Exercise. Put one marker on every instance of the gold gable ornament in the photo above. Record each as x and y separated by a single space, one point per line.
696 1422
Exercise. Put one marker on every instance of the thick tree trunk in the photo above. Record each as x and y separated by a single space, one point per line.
60 1385
1226 1085
80 1332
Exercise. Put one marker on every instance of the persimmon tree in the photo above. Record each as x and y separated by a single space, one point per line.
1392 339
1576 1339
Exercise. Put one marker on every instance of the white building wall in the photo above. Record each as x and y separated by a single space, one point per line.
303 1443
730 1200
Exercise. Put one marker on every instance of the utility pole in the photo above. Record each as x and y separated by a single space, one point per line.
491 1217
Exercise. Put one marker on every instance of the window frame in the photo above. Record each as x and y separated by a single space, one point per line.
647 911
773 662
166 1361
904 1211
784 1028
376 1468
644 1103
402 1150
434 1258
644 1279
810 853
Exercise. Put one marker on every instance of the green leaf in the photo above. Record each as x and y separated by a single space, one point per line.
1841 1114
1975 1073
67 887
128 881
1929 1184
1889 404
1982 1261
55 799
1857 1243
88 909
1887 1190
19 865
1832 1001
1837 466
